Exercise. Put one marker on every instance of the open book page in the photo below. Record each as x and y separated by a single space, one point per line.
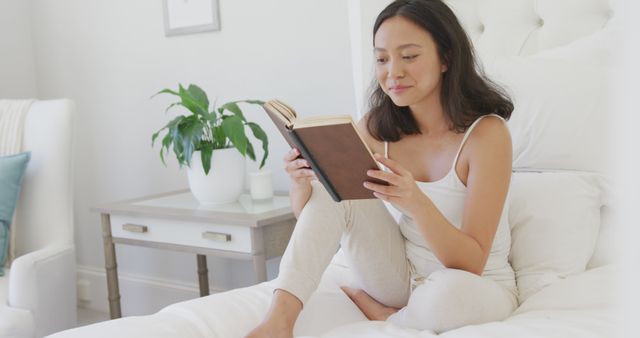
324 120
282 111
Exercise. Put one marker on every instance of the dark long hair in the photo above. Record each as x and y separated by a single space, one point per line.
466 93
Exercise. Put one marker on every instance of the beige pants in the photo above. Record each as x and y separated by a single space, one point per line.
374 248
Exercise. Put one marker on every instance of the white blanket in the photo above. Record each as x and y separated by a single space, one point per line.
579 306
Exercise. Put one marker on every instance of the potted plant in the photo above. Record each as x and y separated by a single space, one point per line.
211 143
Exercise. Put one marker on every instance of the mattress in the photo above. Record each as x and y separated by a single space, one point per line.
582 305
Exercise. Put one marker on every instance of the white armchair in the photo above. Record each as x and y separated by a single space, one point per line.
38 292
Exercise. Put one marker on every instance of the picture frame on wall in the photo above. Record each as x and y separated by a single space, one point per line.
190 16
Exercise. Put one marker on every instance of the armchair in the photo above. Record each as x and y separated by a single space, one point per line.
38 292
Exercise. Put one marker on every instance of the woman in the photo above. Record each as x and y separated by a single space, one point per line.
438 128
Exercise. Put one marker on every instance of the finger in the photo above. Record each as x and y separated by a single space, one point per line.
304 173
381 196
385 176
386 198
295 165
383 189
302 163
291 155
391 164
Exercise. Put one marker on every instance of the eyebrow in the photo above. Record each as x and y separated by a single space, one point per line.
407 45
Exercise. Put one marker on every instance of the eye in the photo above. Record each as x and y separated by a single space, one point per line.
409 57
380 60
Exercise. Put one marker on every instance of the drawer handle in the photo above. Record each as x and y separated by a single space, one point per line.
216 236
134 228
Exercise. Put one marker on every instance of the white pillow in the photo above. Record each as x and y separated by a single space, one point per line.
561 107
554 219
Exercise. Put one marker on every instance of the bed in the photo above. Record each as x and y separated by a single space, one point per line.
552 56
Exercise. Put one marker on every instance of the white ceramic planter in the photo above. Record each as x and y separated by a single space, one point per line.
225 181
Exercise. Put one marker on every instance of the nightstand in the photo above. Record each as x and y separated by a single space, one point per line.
245 229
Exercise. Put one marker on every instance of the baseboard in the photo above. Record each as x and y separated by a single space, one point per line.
140 295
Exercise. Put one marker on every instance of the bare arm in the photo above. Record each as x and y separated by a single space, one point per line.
468 248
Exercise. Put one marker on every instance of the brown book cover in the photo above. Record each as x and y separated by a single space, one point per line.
332 146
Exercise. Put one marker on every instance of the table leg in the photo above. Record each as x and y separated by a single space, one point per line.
112 268
260 267
203 275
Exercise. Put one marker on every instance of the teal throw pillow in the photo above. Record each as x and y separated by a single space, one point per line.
12 170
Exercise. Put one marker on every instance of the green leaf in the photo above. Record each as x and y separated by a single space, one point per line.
258 102
165 91
172 105
262 136
154 136
199 95
176 121
233 107
162 157
250 152
205 156
191 130
218 137
234 129
166 143
178 149
192 103
192 127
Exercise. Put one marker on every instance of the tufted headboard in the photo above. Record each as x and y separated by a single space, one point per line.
526 27
551 56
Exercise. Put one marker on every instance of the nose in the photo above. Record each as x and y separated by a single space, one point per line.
395 69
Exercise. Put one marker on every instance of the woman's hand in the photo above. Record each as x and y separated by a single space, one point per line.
298 168
402 190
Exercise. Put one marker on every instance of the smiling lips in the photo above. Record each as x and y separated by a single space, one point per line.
398 89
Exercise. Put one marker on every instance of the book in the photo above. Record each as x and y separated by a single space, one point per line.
332 146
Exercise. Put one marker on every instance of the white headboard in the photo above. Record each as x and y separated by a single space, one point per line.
551 57
526 27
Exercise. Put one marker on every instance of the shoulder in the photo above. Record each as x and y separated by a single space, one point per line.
374 145
490 138
490 129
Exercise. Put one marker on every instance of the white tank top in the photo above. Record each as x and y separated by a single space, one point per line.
448 195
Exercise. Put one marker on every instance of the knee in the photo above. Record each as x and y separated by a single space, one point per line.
451 299
447 282
444 291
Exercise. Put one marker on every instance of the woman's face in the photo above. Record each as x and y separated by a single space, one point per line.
408 67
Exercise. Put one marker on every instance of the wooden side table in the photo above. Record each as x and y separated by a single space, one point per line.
245 229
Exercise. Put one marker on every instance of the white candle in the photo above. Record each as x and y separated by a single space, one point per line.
260 185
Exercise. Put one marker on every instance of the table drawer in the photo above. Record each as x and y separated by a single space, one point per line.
206 235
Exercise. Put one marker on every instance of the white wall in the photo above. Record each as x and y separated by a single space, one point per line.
111 56
17 73
626 166
362 15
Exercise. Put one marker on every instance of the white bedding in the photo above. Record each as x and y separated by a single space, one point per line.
567 308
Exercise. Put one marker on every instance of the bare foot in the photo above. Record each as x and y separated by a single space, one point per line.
282 315
269 329
371 308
